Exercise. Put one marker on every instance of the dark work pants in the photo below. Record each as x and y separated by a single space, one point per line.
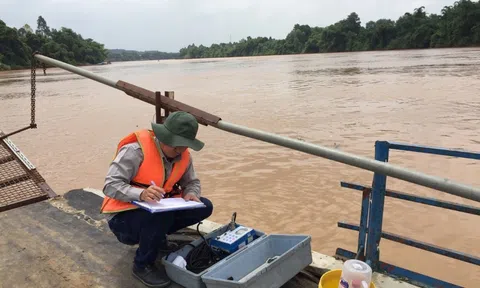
149 230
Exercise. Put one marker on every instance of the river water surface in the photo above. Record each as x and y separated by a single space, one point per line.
345 101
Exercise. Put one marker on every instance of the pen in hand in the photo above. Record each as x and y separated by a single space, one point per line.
153 184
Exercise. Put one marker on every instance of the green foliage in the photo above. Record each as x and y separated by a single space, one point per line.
457 26
14 52
17 46
131 55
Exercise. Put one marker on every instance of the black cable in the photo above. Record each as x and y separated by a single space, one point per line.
202 256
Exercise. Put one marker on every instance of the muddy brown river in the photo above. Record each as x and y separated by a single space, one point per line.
345 101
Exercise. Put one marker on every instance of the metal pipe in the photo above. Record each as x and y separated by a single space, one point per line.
31 126
76 70
438 183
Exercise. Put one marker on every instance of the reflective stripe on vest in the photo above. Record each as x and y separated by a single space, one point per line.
151 169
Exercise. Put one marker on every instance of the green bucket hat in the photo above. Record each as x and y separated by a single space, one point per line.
179 129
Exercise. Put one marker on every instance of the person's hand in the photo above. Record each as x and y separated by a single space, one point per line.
191 197
152 194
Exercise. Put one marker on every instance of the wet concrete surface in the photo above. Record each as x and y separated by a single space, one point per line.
65 242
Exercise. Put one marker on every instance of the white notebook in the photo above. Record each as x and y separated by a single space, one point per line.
169 204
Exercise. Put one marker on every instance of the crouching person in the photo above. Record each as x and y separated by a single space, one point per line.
148 166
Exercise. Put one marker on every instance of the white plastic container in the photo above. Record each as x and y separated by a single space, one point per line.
355 274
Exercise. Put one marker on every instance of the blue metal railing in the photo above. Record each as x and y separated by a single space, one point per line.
371 219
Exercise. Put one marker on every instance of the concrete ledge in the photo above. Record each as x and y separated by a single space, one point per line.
320 261
66 242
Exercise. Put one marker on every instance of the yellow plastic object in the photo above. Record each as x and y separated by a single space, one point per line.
331 279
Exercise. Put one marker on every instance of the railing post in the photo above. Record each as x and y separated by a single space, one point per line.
168 94
362 231
158 105
375 218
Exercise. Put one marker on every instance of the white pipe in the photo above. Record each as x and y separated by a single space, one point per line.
76 70
442 184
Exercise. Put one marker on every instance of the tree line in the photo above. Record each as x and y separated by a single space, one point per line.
132 55
17 46
457 25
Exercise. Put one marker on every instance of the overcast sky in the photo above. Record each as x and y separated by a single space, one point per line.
168 25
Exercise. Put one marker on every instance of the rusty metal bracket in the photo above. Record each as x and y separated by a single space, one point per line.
171 105
158 105
170 95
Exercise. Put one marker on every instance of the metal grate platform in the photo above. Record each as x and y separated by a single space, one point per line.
20 182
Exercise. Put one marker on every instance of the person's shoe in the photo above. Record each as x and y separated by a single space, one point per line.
151 276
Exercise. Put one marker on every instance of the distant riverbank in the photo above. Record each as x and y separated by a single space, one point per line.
342 52
455 27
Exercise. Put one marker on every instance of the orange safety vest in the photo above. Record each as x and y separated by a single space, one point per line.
151 169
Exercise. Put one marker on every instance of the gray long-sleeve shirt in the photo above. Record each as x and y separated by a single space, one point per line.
125 166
